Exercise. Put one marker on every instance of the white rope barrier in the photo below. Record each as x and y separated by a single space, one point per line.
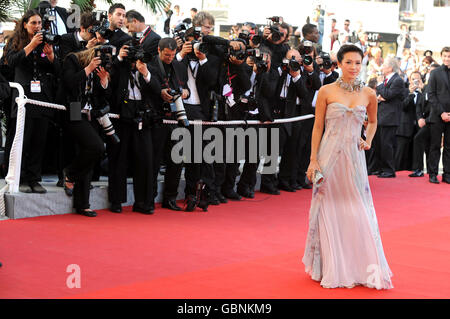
15 158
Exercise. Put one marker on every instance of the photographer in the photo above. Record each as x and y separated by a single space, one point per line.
132 83
202 77
86 84
291 90
311 74
274 37
260 98
116 18
135 22
171 76
35 68
327 68
233 82
81 39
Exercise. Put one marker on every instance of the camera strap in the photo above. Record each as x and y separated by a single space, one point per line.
166 77
149 30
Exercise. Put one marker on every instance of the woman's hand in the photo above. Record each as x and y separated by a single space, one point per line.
103 75
37 39
363 145
48 51
95 62
313 166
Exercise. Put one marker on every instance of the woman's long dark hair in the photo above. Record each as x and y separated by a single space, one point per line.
20 39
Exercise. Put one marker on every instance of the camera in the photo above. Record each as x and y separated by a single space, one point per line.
44 9
327 63
106 53
103 25
247 37
307 49
259 59
249 101
103 119
48 37
136 50
177 107
274 29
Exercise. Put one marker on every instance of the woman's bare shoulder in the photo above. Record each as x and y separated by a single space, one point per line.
370 93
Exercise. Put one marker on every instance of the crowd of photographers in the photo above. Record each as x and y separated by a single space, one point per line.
145 79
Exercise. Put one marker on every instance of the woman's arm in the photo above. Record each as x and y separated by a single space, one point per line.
372 108
317 133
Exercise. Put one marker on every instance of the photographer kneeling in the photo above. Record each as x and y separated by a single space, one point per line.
86 84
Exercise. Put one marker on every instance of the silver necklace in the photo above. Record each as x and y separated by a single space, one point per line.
355 86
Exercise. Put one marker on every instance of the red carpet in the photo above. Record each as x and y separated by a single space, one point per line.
249 249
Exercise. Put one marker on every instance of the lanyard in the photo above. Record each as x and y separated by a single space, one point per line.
149 30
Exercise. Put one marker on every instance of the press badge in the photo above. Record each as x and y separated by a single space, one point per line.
35 87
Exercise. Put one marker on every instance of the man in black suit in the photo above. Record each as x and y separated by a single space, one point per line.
408 123
290 91
421 143
116 18
170 74
132 83
390 96
440 116
80 39
135 22
59 24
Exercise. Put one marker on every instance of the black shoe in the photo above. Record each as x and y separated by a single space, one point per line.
221 198
140 208
296 186
191 203
417 173
85 212
446 180
306 184
25 188
286 187
115 208
433 179
171 204
375 173
232 195
213 200
269 190
67 184
386 175
244 192
37 188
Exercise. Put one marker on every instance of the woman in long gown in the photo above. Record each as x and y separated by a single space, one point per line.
343 246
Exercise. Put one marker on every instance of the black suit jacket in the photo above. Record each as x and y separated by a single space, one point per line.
265 88
439 93
175 82
70 43
408 120
151 41
312 84
64 16
393 92
5 90
295 90
331 78
424 111
119 38
205 81
23 74
74 83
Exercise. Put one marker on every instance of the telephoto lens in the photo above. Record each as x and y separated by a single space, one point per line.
108 128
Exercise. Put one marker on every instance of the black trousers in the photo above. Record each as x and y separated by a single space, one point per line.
34 140
247 180
303 150
135 151
290 156
225 173
162 146
270 180
385 148
421 145
436 131
404 153
90 148
197 171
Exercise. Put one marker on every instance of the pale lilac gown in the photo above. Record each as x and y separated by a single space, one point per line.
343 245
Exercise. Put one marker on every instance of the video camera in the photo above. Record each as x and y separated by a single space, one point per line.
106 54
103 25
274 29
136 50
